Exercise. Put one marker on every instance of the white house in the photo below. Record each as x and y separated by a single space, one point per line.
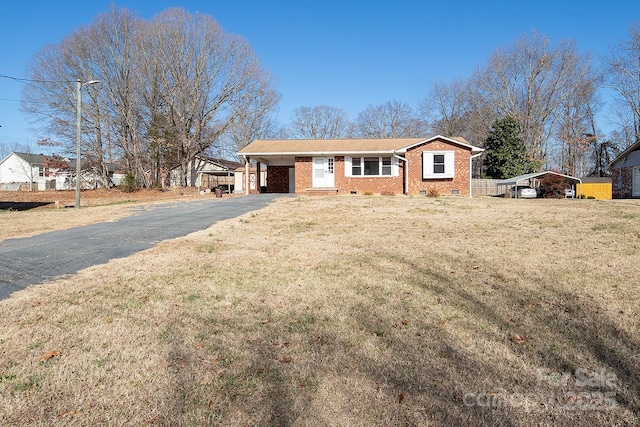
26 171
205 172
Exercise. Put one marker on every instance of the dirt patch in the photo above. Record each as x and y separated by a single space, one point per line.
25 200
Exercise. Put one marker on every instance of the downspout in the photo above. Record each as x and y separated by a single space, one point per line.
406 172
471 173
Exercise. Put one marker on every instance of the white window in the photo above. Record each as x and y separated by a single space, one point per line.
371 166
438 164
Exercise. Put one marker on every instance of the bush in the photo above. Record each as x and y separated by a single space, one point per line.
553 186
433 192
129 184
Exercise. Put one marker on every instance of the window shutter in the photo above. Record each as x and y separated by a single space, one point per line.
449 164
347 166
394 167
427 165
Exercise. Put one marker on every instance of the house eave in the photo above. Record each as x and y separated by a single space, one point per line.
473 148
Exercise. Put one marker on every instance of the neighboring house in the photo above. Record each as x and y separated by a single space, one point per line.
205 172
625 173
26 171
436 165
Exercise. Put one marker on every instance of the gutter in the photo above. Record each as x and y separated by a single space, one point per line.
406 172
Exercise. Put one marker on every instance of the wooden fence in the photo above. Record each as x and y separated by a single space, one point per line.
485 187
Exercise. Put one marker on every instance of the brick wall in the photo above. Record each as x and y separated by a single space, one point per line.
346 184
362 184
459 182
278 179
304 170
392 184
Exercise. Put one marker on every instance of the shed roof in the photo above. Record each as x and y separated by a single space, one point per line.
516 179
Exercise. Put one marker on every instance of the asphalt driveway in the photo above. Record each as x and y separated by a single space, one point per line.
34 260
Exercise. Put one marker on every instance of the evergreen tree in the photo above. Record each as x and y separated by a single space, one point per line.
506 154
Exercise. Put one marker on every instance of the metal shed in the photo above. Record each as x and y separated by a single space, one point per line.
530 179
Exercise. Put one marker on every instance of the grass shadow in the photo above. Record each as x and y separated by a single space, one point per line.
21 206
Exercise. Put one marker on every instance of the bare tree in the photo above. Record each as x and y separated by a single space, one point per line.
530 81
623 77
447 107
392 119
577 133
207 75
319 122
170 88
256 121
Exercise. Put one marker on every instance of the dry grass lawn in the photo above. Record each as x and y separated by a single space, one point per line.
345 311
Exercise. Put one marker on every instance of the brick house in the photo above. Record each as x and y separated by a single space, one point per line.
438 164
625 173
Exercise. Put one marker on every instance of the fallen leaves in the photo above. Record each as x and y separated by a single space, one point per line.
520 339
50 355
69 414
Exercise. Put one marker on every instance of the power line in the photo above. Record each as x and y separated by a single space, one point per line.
24 80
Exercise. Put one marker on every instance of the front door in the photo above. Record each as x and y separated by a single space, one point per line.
323 172
635 191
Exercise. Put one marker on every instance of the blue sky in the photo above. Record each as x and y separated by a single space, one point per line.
346 54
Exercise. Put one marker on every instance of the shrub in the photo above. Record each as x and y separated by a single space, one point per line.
553 186
388 193
433 192
591 197
129 183
368 193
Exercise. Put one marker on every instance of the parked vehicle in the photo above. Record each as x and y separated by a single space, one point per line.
524 192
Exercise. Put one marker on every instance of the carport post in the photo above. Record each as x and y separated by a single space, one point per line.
258 183
247 171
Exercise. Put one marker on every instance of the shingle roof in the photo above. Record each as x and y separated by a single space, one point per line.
308 146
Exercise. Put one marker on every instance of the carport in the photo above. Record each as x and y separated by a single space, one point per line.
532 180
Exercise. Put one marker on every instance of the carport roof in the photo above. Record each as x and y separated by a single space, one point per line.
516 179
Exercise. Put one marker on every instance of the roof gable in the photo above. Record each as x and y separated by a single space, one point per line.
624 154
459 141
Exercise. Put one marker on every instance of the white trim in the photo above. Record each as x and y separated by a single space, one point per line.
473 148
